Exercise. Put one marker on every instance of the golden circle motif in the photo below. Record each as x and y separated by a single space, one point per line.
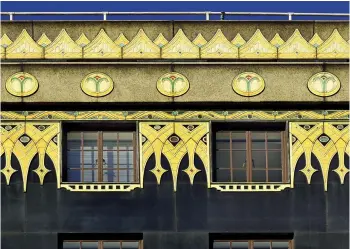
248 84
22 84
97 84
323 84
173 84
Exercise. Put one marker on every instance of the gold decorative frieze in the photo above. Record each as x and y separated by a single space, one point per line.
121 41
324 84
324 140
44 41
26 140
246 187
160 41
174 141
63 47
219 47
335 47
97 84
24 47
316 41
173 84
22 84
82 41
238 41
258 48
102 47
296 47
180 47
277 41
223 115
141 47
100 187
199 41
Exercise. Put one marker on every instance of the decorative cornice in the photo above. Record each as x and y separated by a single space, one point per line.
179 47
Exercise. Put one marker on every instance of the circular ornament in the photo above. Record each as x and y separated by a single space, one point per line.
324 139
97 84
22 84
248 84
324 84
173 84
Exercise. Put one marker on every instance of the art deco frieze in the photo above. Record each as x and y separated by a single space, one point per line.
179 47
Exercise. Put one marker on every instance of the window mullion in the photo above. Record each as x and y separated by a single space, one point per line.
249 156
284 156
266 158
100 155
231 159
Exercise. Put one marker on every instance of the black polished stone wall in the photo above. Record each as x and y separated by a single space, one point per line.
39 218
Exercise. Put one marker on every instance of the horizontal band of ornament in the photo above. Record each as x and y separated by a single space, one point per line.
176 115
100 187
179 47
249 187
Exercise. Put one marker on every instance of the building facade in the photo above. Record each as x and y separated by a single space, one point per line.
175 134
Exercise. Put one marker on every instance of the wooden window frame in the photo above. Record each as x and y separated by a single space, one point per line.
100 243
251 243
100 158
249 150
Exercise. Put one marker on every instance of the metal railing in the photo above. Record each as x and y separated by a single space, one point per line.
206 14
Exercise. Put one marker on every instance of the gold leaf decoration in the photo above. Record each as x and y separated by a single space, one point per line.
44 40
102 47
5 41
219 47
258 47
141 47
277 41
296 47
180 47
82 41
121 41
199 41
160 41
63 47
24 47
335 47
316 40
238 41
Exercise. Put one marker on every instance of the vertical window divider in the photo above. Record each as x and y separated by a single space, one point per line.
118 171
231 159
134 156
284 156
82 156
266 158
100 155
249 156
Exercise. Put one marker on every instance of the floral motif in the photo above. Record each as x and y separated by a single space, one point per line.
97 84
22 84
248 84
173 84
324 84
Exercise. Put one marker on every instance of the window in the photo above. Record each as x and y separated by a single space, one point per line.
101 156
252 244
250 155
102 244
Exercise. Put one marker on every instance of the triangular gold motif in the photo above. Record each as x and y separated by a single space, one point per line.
160 41
180 47
238 41
43 40
258 47
141 47
334 47
296 47
219 47
82 41
199 41
121 41
24 47
277 41
102 47
63 47
316 41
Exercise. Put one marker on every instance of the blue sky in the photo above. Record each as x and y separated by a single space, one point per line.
282 6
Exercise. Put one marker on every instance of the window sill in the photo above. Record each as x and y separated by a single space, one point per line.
100 187
249 187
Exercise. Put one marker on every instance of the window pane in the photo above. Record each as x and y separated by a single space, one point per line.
126 176
110 159
259 176
275 175
110 140
223 175
90 159
90 140
126 136
90 176
71 245
261 245
223 159
274 140
221 245
110 176
74 159
89 245
111 245
125 145
74 140
238 159
280 245
74 175
238 140
259 159
240 245
126 157
130 244
275 159
239 175
258 140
